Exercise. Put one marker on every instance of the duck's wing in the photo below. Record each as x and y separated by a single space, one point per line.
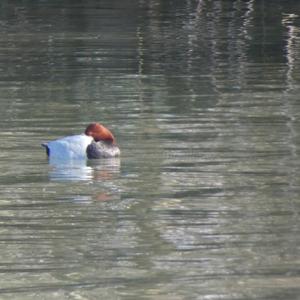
70 147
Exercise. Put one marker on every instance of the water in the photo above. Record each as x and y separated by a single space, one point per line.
203 98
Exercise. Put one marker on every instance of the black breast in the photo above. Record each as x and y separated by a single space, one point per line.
101 149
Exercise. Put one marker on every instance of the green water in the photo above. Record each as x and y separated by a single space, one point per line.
203 98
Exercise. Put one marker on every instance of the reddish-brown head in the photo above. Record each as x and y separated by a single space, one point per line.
99 133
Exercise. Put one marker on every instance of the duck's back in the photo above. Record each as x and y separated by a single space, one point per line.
70 147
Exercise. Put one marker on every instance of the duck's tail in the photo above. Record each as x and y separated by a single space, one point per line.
45 145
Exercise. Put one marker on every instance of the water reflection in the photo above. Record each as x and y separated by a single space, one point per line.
78 170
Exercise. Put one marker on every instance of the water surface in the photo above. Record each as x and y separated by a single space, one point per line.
203 98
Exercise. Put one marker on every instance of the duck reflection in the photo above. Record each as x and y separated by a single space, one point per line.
82 170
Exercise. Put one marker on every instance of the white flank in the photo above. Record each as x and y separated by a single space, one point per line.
70 147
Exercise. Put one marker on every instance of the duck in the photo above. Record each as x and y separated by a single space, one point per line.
96 142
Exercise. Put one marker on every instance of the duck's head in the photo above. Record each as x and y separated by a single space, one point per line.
100 133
